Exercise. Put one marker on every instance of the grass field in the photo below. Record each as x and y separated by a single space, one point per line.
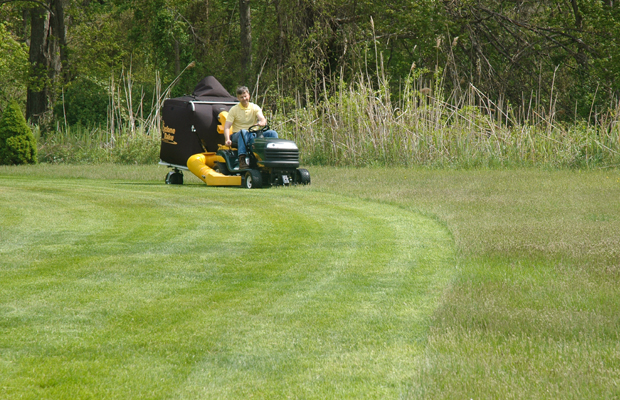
535 309
134 289
370 283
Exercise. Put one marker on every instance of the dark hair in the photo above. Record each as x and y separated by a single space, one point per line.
242 89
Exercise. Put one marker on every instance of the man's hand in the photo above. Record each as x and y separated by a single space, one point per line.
227 140
261 120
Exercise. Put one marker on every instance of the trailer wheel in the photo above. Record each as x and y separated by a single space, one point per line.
252 180
302 176
174 177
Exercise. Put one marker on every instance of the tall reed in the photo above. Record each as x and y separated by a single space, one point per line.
360 124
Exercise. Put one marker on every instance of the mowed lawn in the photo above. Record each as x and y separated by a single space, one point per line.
129 288
370 283
534 311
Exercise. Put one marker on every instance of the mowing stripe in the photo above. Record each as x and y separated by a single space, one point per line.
123 290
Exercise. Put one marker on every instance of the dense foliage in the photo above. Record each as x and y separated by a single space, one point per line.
565 51
17 144
13 67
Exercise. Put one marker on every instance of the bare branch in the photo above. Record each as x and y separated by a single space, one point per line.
539 30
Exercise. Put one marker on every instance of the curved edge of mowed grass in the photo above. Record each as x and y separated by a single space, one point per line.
121 290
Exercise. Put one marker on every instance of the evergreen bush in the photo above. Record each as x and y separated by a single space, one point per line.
17 143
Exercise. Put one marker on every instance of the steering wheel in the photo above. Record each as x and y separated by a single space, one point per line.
258 129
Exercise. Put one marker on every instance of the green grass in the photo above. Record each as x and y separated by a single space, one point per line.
128 288
370 283
535 309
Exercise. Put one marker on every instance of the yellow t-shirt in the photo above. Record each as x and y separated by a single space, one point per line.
243 118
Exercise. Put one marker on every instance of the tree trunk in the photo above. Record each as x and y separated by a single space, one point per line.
581 57
59 43
281 35
246 38
177 58
38 86
47 56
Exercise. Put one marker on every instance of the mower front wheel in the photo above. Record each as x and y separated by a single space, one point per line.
252 180
302 176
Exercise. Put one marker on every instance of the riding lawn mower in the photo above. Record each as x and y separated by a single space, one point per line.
193 139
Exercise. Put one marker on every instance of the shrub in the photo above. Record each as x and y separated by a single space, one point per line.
85 102
17 143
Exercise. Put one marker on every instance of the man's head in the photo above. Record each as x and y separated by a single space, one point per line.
243 94
242 89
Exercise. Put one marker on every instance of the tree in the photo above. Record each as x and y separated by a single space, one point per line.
13 67
47 55
246 38
17 143
562 50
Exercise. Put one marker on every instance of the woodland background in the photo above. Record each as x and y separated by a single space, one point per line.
111 62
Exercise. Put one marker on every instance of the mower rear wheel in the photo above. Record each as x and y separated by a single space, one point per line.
252 180
221 168
302 176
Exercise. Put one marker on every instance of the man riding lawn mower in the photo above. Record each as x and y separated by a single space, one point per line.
240 118
253 157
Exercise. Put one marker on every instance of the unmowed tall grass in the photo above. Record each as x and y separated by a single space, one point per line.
85 145
365 123
359 124
130 136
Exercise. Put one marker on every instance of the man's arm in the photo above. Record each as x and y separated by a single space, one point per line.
227 140
262 121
